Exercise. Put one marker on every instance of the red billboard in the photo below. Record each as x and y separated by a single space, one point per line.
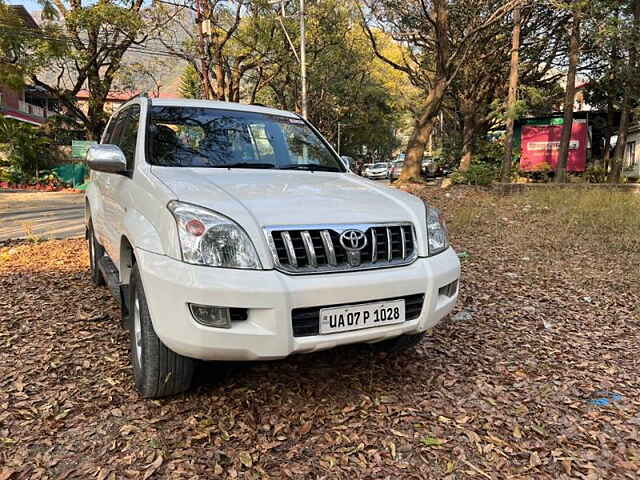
540 145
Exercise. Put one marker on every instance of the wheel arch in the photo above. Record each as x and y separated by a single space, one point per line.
127 260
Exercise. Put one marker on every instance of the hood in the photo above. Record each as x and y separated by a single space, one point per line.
273 197
261 198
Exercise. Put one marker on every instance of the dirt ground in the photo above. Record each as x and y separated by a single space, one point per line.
536 376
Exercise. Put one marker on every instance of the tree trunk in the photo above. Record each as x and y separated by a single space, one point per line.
609 132
412 170
468 137
618 155
629 80
507 161
574 52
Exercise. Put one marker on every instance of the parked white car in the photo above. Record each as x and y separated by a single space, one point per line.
377 171
234 232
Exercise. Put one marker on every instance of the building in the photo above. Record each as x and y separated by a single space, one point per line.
631 165
116 98
30 104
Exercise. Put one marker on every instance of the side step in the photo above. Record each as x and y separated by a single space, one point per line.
119 291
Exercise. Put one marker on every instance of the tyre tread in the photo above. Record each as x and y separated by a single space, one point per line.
166 373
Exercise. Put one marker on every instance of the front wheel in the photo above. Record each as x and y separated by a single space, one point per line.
398 344
158 371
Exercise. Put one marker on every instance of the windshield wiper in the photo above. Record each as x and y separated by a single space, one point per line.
245 165
310 166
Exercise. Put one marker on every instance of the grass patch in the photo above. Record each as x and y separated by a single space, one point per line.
610 218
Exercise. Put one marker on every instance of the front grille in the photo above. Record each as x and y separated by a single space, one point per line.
306 321
318 249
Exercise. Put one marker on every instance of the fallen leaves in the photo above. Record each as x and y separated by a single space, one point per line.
492 395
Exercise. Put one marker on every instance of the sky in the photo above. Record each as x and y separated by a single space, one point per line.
30 5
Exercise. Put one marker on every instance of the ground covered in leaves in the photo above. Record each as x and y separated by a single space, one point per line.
535 377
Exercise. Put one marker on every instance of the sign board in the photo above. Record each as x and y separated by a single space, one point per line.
544 121
540 145
79 148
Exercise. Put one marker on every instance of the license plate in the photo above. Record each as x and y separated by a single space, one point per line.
356 317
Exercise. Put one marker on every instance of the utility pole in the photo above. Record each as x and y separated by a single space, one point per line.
302 57
303 62
339 138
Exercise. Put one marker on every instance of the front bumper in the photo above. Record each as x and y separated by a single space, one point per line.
270 297
378 175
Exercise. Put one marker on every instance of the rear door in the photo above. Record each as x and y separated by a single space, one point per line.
115 186
99 179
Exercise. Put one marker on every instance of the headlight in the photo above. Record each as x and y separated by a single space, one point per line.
436 231
208 238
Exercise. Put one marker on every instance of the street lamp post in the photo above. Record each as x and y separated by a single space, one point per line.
303 62
302 58
339 131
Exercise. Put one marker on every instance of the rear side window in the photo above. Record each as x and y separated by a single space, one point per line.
123 132
128 137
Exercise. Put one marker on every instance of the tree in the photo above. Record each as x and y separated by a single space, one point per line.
82 45
435 52
570 93
211 36
347 84
190 86
630 88
507 161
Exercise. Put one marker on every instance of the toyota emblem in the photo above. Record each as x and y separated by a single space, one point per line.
353 240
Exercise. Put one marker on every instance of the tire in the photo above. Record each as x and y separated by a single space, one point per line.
96 251
158 371
398 344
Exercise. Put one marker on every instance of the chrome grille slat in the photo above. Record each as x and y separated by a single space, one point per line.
374 246
308 249
328 247
291 252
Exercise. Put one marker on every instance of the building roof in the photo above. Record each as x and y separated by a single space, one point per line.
123 96
22 117
24 14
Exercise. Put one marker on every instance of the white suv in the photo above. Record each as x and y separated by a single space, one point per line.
234 232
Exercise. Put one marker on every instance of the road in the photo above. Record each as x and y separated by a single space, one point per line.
41 214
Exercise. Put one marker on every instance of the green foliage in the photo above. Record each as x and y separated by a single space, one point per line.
479 173
26 149
13 175
596 174
490 152
49 177
190 83
346 83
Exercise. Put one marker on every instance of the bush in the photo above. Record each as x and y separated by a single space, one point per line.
596 174
26 148
478 174
13 175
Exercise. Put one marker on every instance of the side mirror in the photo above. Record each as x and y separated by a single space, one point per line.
346 161
106 158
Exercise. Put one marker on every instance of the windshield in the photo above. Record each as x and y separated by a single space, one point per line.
398 163
380 165
214 138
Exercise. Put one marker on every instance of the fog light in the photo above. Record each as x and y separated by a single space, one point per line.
211 316
449 289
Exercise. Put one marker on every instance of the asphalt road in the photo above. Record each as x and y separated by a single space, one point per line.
41 214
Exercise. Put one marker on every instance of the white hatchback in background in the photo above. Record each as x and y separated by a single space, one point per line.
234 232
